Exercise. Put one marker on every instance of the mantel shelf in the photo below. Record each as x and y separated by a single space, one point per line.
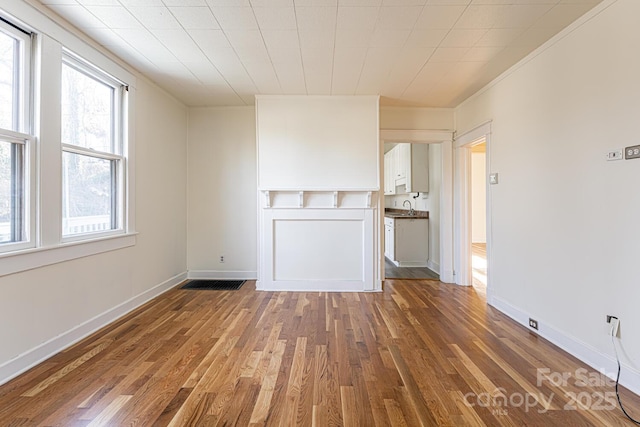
319 199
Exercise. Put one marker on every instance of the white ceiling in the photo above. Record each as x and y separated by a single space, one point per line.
432 53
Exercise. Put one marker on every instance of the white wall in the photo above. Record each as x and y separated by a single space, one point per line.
403 118
565 251
478 198
222 192
45 309
317 142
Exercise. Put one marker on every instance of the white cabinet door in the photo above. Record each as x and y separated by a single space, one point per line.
389 174
389 238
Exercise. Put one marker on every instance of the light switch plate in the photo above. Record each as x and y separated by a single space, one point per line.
493 178
614 155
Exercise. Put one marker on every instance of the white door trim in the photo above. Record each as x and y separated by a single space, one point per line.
462 204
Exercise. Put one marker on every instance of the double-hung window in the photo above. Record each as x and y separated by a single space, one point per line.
16 139
92 151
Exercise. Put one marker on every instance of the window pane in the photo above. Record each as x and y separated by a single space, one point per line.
8 99
88 194
87 111
11 192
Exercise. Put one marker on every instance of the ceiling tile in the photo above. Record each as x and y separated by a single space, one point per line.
154 50
448 54
426 38
316 18
404 2
411 52
154 17
180 44
78 16
462 38
206 73
285 55
316 39
235 18
353 38
115 16
347 67
271 3
499 36
317 61
133 3
193 18
91 2
209 39
439 16
449 2
284 39
389 38
562 15
357 18
178 3
481 16
275 18
360 3
479 53
521 15
398 18
291 78
299 3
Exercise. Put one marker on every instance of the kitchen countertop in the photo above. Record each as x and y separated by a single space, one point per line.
402 213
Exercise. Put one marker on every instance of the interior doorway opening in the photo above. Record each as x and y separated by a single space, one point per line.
479 216
412 211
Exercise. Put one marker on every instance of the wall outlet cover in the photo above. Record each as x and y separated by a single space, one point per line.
493 178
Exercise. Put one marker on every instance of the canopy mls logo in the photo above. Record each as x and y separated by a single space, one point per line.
499 401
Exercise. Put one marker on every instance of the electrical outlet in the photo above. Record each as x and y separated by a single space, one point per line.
221 258
533 324
615 325
632 152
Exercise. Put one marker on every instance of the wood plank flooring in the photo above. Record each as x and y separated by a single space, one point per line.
419 353
393 272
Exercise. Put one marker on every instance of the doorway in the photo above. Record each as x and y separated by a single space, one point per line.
472 209
479 216
444 232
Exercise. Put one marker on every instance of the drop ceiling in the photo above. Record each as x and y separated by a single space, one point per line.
429 53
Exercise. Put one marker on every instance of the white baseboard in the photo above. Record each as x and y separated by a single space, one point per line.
218 274
433 266
29 359
604 363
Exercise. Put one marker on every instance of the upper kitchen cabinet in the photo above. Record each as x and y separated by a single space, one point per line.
406 169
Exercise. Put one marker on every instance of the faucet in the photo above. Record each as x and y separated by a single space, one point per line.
411 211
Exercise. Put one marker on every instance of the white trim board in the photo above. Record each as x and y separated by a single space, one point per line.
42 352
220 275
599 361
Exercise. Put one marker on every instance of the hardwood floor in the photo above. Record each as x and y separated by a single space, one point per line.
428 355
393 272
479 266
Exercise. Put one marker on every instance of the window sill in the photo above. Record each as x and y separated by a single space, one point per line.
29 259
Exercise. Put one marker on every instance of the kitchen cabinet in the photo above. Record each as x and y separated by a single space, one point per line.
389 170
406 167
389 244
406 241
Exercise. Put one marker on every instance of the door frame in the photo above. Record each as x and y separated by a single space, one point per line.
462 204
445 138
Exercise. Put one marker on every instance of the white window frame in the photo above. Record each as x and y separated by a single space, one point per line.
118 156
23 133
50 38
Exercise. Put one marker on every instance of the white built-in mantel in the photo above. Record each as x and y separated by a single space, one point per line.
318 240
